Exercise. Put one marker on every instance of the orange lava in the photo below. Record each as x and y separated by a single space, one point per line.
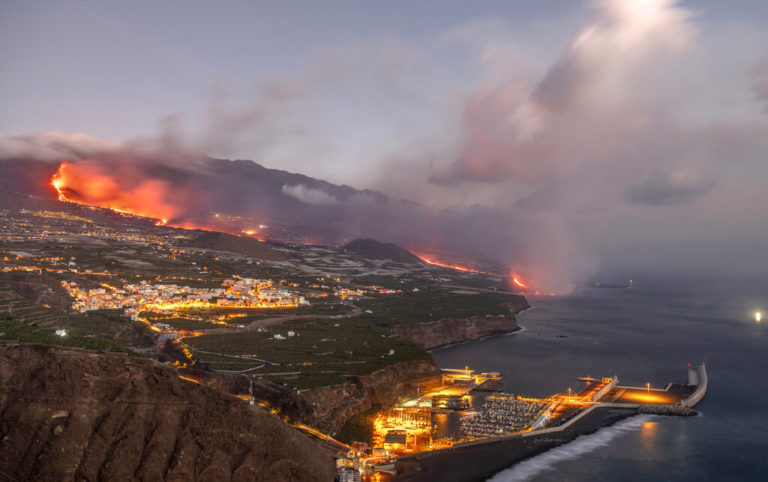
83 183
451 266
252 234
190 379
516 280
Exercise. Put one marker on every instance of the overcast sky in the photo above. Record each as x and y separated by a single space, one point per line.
636 130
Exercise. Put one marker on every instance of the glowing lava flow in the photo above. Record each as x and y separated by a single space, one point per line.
452 266
517 282
81 186
86 185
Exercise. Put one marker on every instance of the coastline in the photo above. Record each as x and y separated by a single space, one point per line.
520 329
451 331
482 459
479 461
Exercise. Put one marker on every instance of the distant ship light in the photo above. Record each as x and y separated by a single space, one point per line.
758 316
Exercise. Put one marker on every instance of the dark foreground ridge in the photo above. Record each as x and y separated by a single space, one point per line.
69 415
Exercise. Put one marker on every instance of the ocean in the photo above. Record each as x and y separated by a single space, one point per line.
647 334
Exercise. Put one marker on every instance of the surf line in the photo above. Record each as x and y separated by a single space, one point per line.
530 468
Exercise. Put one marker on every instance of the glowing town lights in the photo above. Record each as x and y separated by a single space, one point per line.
758 316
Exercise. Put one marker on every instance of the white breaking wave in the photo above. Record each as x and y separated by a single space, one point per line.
527 469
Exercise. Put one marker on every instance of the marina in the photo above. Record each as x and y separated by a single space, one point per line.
423 437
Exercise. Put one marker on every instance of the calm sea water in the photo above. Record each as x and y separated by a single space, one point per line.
646 334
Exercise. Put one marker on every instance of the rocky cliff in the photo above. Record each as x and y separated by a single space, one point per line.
455 330
335 405
84 416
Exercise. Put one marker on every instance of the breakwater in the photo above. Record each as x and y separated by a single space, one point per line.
476 461
480 459
676 410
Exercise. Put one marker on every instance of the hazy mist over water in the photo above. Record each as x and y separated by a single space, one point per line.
646 334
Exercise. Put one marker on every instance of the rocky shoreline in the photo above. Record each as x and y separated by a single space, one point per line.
449 331
334 406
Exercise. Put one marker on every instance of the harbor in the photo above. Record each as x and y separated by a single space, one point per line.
439 434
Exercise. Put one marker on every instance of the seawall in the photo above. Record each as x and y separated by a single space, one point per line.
701 388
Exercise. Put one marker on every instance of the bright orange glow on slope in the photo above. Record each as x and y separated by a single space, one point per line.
83 185
190 379
516 280
451 266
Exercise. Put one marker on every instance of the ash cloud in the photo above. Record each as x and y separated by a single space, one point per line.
586 109
597 134
52 146
559 168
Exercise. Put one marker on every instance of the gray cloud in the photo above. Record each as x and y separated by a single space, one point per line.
52 146
761 83
662 191
309 195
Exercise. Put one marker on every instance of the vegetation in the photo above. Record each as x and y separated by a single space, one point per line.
11 329
325 346
180 323
360 427
253 314
428 305
320 353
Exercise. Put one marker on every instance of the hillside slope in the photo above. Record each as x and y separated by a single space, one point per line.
372 249
246 245
83 416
